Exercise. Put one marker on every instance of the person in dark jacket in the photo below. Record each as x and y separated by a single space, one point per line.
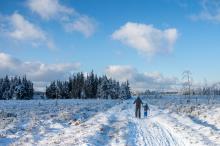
146 108
138 103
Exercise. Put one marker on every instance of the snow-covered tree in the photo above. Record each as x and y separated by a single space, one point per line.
20 91
123 94
16 88
104 88
51 91
90 86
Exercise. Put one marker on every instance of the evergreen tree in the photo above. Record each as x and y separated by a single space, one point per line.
16 88
127 90
1 89
90 86
5 87
51 91
65 90
20 91
122 94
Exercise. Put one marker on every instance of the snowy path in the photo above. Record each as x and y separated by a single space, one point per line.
107 122
117 126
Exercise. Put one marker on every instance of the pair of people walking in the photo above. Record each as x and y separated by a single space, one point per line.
138 103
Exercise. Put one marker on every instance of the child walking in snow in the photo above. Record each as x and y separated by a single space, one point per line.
146 108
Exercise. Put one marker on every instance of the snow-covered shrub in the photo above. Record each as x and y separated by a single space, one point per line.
64 116
4 114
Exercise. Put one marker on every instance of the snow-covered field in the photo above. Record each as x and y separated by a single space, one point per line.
171 122
198 123
30 122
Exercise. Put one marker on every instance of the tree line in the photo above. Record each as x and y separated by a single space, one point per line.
90 86
16 88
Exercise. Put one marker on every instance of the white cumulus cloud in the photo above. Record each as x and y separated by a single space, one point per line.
71 20
20 29
210 11
146 39
48 9
83 24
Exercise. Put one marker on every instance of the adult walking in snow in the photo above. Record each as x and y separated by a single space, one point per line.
138 103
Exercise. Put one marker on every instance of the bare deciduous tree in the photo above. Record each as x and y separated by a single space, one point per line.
187 83
214 89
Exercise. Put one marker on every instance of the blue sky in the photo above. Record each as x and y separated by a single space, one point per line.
150 42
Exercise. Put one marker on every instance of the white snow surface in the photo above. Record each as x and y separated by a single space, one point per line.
171 122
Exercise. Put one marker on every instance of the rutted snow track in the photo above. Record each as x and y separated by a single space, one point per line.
154 134
117 126
150 133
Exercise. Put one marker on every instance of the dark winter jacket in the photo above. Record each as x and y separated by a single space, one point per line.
138 102
146 107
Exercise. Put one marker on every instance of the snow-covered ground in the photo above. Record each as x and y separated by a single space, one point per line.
171 122
197 122
29 122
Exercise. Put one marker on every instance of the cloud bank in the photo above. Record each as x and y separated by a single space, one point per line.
146 39
141 81
38 72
